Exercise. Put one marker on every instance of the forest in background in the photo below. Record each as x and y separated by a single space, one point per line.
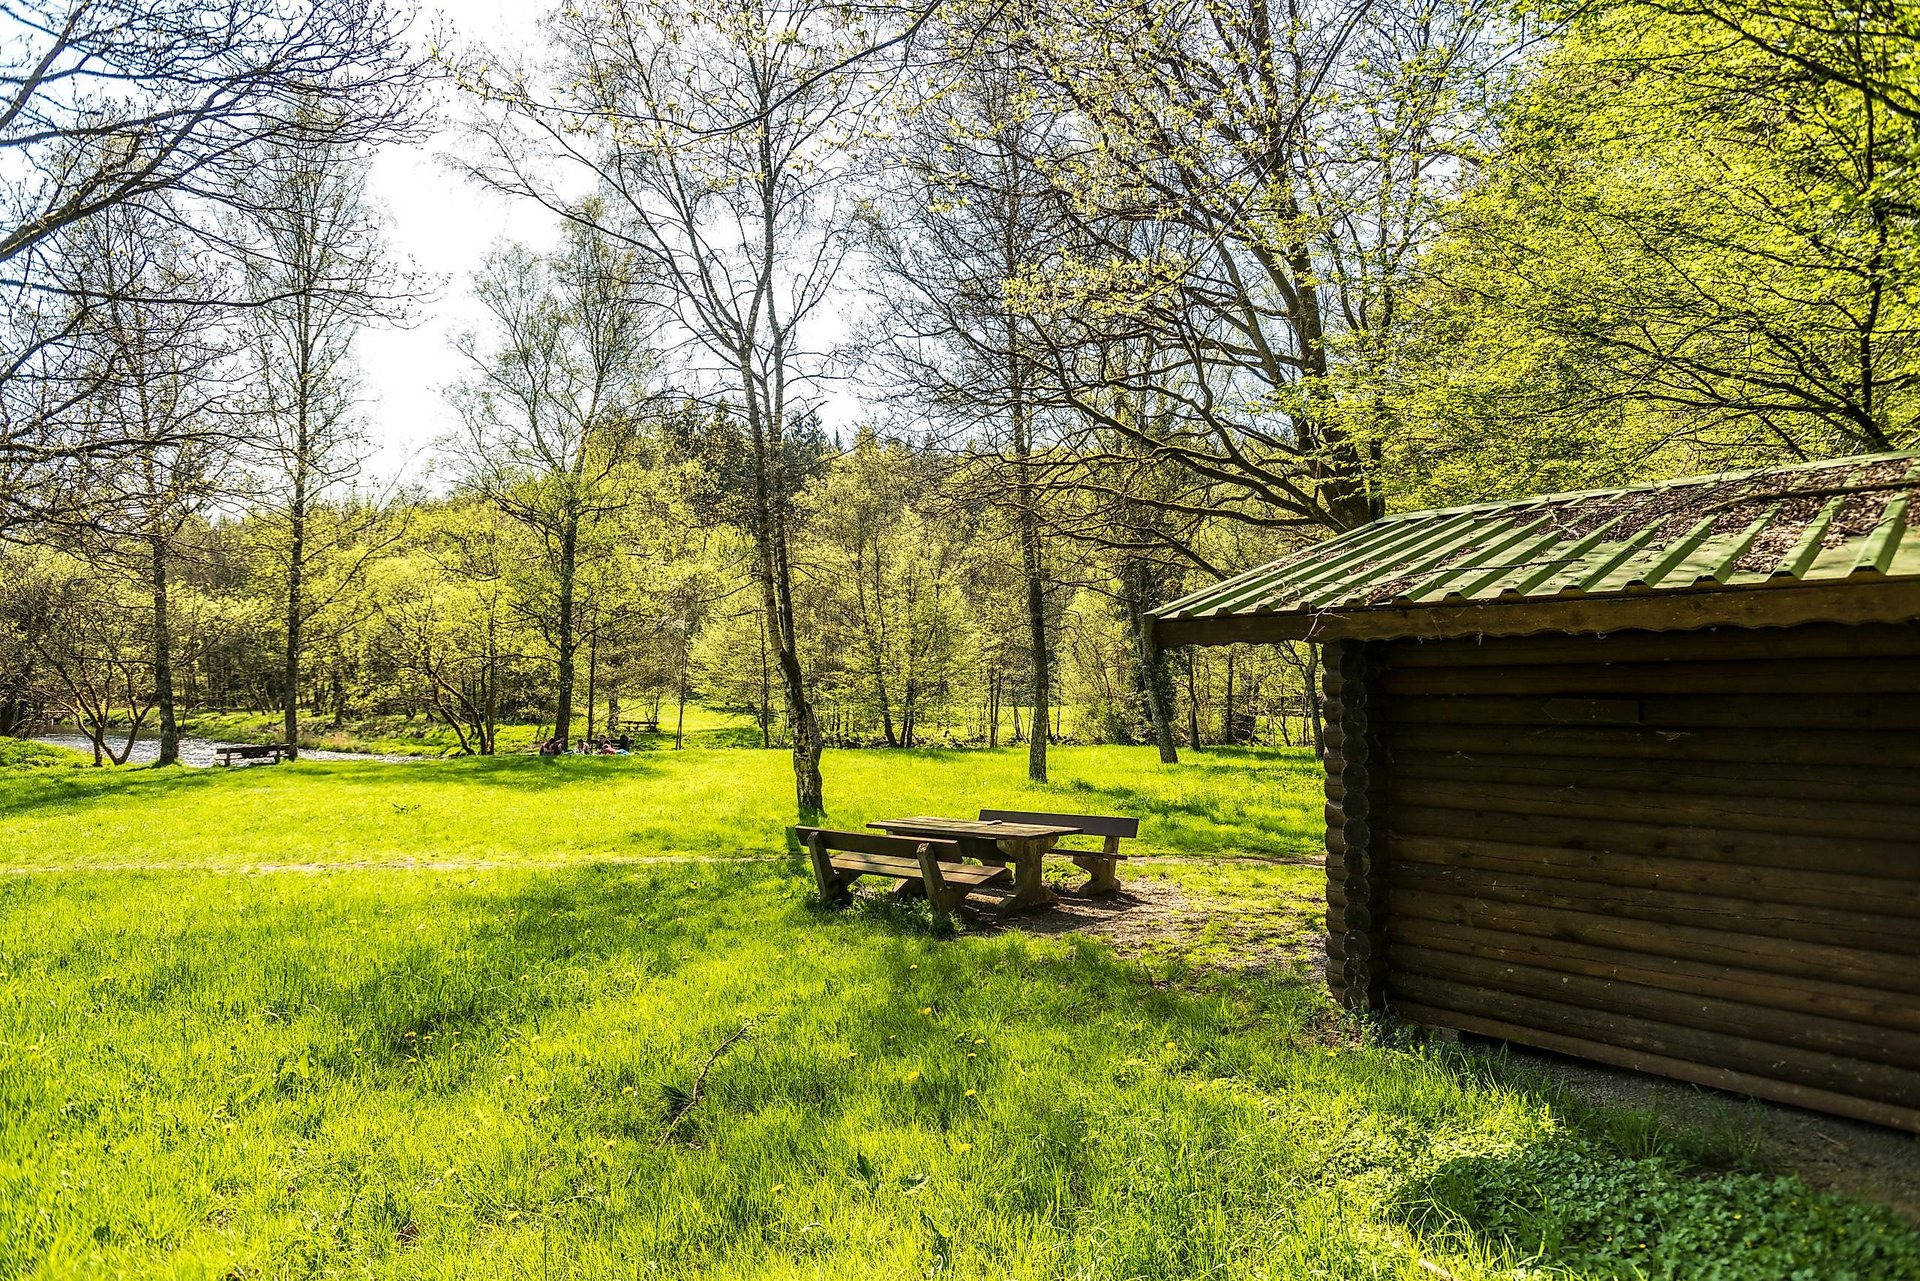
1133 293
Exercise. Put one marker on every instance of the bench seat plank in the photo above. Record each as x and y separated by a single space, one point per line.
969 874
932 867
874 843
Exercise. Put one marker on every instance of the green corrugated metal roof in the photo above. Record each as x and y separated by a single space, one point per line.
1816 523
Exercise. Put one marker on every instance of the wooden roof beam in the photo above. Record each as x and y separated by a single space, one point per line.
1851 601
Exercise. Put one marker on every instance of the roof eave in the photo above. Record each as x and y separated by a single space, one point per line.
1860 599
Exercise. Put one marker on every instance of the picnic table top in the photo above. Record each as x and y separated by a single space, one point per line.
986 829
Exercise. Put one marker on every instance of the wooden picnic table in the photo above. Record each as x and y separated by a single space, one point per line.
1023 845
272 753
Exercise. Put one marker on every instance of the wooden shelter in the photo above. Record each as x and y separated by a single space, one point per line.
1632 775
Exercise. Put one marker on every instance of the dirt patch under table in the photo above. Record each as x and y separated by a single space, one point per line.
1159 917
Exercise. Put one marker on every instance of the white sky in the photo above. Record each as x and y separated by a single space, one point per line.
444 225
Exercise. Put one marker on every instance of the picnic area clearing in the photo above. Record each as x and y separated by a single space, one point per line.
531 1061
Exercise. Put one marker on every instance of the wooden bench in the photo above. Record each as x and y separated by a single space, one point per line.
271 753
930 867
1100 865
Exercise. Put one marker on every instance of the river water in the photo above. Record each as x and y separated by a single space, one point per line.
193 751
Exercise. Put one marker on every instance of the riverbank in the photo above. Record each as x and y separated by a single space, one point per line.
196 751
417 736
26 755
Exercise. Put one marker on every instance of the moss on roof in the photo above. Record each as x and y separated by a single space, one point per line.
1824 522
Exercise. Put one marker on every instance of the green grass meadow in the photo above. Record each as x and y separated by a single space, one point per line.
706 802
508 1046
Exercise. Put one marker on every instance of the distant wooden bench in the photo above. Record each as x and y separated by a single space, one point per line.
930 867
636 725
271 753
1100 865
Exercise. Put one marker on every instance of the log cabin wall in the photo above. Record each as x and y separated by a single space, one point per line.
1690 853
1356 900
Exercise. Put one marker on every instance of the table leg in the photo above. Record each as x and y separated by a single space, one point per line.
1029 889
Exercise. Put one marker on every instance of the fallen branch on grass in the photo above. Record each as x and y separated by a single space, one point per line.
692 1098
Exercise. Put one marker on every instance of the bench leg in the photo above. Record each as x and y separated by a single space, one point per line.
1100 873
832 887
1101 868
938 896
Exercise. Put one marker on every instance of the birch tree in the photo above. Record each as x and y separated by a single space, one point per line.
554 407
715 139
318 271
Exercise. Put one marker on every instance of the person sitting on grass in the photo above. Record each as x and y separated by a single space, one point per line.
554 746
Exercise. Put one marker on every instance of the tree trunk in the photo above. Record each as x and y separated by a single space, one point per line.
1157 689
593 672
163 655
875 620
296 592
809 790
1154 678
1030 556
680 710
490 713
776 595
766 689
563 678
1193 703
1313 700
1226 714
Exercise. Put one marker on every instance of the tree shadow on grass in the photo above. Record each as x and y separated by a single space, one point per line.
520 952
77 790
1569 1191
1206 823
504 973
529 772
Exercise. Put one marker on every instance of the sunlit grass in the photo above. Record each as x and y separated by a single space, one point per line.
700 802
434 1074
468 1059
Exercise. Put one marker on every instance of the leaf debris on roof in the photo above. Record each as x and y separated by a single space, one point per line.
1813 523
